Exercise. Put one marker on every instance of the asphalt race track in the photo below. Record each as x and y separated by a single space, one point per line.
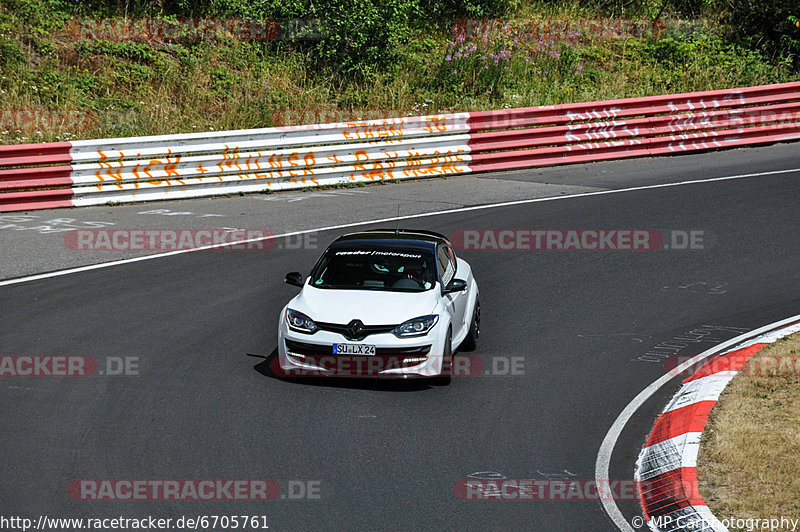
386 456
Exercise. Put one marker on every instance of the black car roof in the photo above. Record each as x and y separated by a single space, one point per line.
392 238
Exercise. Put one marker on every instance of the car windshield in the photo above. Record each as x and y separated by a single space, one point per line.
397 270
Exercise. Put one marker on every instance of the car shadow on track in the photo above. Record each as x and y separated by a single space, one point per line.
269 368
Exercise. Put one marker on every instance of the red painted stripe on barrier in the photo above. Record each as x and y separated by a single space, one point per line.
41 153
689 418
39 177
559 155
35 199
679 144
728 362
35 183
670 491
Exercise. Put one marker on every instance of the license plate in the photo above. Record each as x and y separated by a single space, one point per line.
353 349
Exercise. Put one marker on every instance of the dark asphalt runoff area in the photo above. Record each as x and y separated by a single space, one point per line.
580 328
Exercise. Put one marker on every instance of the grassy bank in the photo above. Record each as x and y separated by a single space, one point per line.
123 87
750 452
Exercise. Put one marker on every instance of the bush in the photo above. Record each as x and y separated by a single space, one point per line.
10 53
355 36
362 36
768 25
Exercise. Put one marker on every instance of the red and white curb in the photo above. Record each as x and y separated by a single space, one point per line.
666 469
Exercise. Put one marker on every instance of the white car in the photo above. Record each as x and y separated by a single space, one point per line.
381 303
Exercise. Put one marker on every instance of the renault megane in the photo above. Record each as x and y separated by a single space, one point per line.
382 303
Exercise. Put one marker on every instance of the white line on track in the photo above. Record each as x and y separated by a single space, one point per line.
79 269
603 461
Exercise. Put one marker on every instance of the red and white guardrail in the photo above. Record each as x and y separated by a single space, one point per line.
93 172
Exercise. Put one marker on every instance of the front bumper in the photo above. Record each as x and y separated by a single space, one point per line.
301 355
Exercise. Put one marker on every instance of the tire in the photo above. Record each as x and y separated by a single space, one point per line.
447 362
470 343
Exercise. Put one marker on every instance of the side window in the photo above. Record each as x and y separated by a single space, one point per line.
447 267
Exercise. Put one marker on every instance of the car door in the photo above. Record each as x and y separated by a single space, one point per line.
456 301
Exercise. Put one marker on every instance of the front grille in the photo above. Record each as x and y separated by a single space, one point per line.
345 330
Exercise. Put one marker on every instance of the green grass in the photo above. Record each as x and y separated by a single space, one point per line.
143 88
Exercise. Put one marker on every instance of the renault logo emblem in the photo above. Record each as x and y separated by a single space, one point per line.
355 330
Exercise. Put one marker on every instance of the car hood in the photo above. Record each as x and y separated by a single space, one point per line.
372 307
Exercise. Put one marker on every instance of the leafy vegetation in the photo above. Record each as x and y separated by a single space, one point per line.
406 57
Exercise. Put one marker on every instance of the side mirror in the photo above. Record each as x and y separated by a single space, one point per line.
456 285
294 278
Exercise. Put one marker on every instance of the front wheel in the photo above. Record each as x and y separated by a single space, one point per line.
446 375
470 343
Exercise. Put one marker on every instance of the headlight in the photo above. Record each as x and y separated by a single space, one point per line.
416 327
300 322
